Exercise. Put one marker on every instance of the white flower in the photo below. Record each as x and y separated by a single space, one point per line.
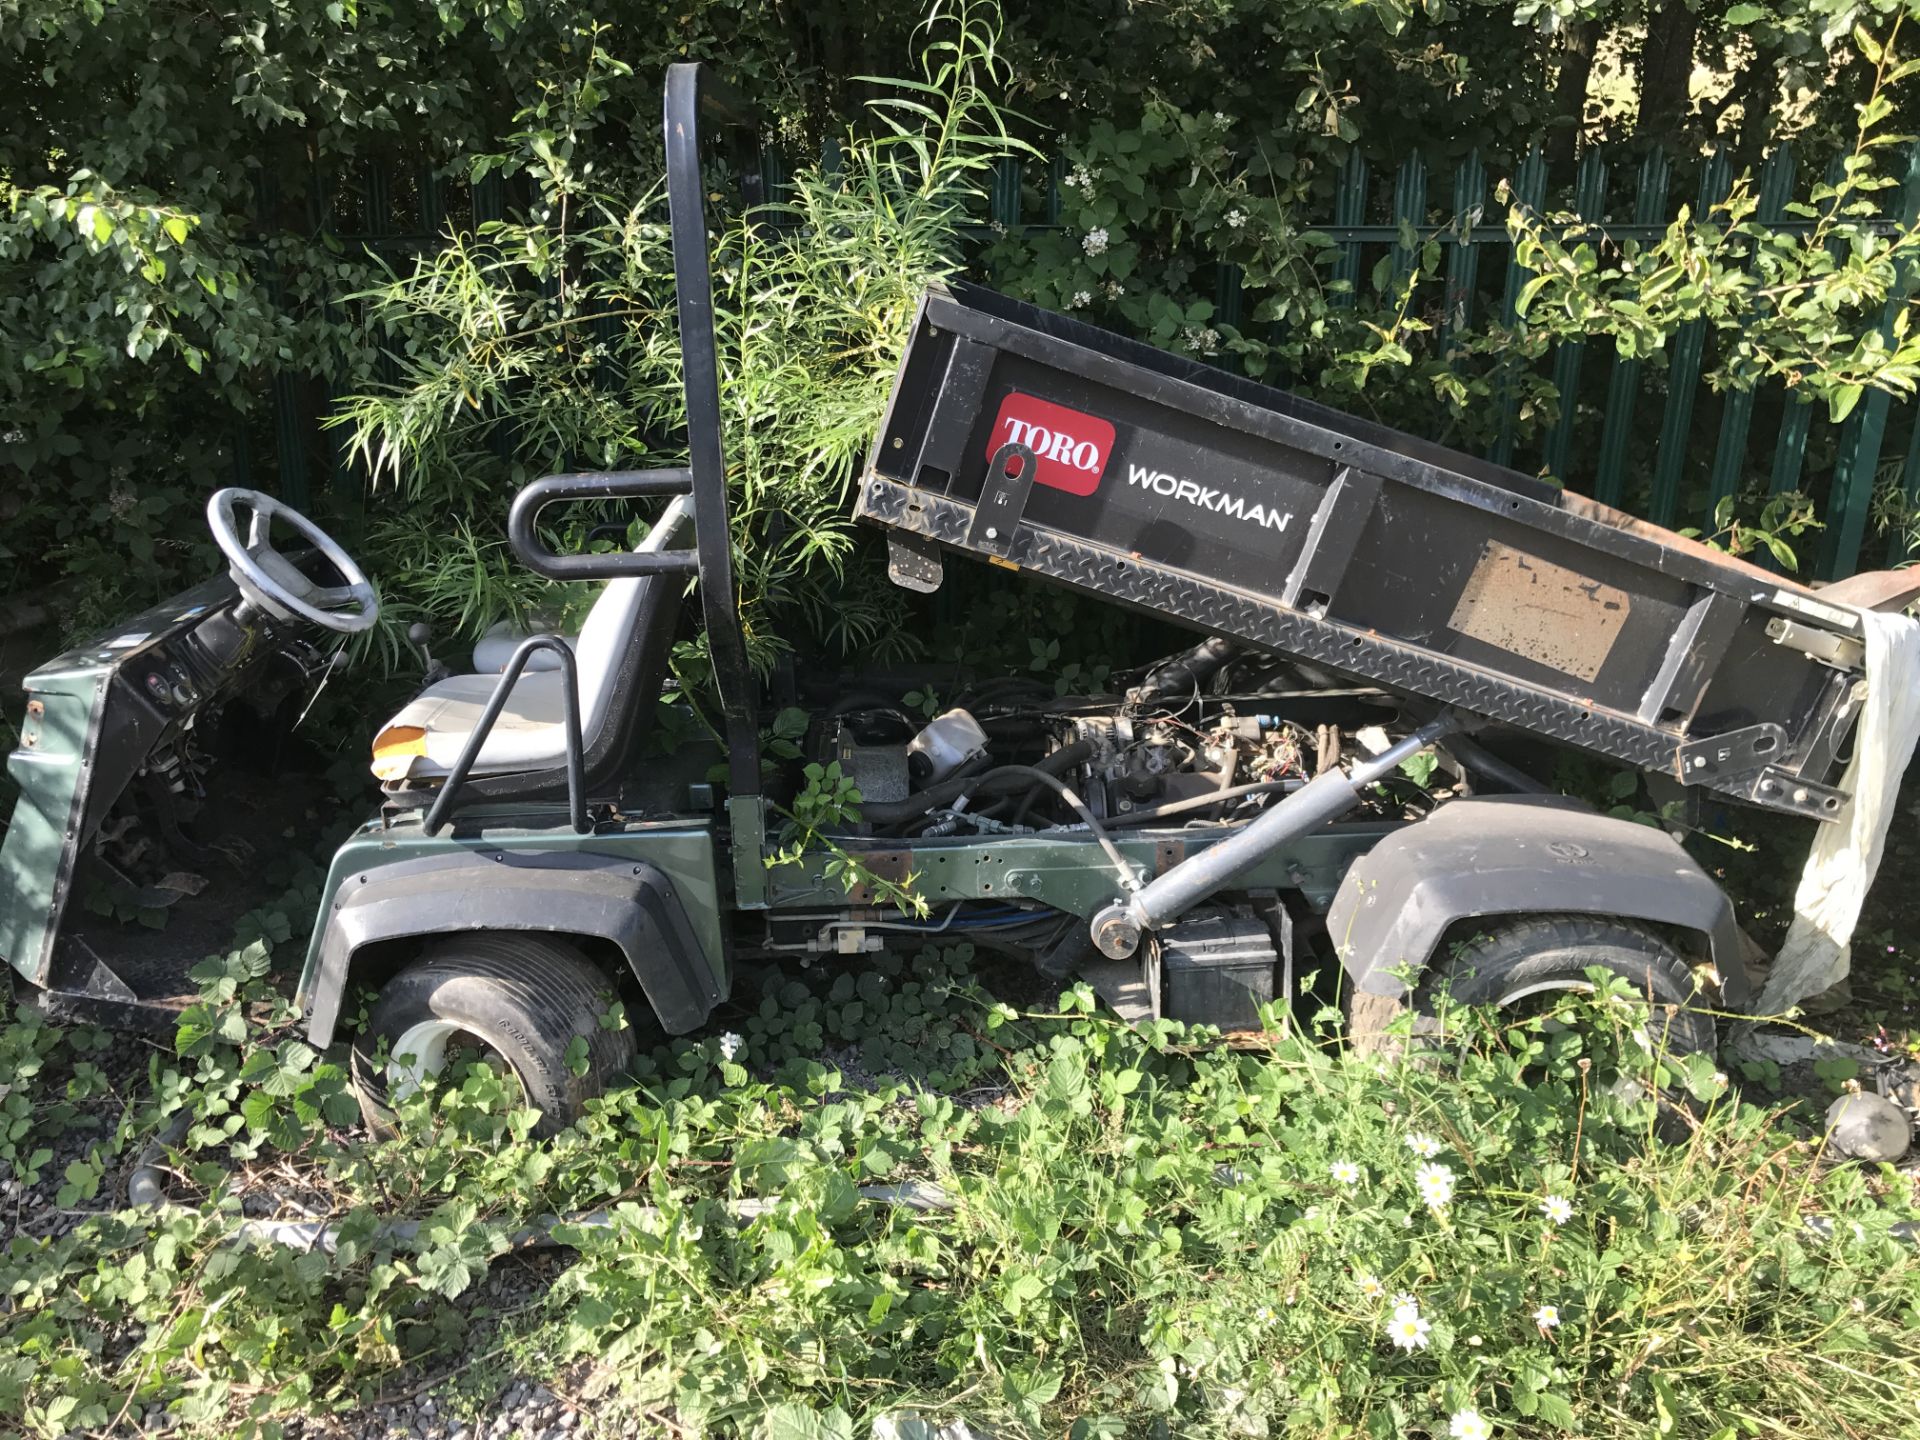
1236 218
1345 1172
1094 242
1402 1300
1425 1146
1370 1286
1080 179
1220 118
1081 299
1547 1317
1408 1331
1557 1208
1435 1183
1720 1078
1469 1425
1265 1315
1114 289
1857 1305
730 1046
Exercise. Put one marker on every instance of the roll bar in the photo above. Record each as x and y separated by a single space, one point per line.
690 93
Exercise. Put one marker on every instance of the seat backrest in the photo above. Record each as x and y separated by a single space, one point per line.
608 632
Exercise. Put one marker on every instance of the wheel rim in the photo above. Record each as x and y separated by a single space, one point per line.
422 1049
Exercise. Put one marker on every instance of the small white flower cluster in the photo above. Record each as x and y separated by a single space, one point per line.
1114 289
1435 1184
1095 242
1080 178
1236 218
1081 299
730 1046
1220 119
1201 342
1469 1424
1408 1328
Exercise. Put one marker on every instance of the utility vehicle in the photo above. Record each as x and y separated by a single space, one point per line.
1363 598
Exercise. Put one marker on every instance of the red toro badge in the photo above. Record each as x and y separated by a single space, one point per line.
1072 448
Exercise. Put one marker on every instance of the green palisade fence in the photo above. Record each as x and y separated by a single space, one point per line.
1649 436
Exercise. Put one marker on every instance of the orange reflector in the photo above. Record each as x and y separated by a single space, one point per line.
393 747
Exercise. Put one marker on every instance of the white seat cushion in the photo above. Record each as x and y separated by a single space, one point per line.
424 740
529 735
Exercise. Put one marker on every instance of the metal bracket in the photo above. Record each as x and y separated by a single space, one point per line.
1715 757
1779 789
1003 499
913 563
1840 651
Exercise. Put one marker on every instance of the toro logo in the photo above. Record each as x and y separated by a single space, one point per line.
1071 448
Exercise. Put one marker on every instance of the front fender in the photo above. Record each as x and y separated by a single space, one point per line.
628 902
1512 855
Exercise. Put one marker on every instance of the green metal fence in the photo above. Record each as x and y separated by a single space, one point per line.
1606 442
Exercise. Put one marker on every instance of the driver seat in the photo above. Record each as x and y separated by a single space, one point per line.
621 660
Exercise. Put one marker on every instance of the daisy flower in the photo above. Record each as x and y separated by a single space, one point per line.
1345 1172
1469 1425
1402 1300
1408 1331
1425 1146
1547 1317
1370 1286
1557 1208
1435 1183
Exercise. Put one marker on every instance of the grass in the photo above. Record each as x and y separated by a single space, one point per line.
1148 1231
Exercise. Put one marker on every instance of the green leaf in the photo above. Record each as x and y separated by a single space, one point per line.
176 226
797 1422
1841 402
1745 14
578 1055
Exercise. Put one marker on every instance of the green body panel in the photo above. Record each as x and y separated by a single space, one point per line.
52 765
1069 874
681 848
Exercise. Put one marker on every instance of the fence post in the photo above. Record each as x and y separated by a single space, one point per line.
1683 370
1530 190
1589 203
1409 212
1736 414
1866 428
1463 263
1349 209
1623 387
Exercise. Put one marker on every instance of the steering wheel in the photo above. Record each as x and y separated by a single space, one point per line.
274 583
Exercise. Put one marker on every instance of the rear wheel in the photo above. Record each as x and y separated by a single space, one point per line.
1532 960
518 1002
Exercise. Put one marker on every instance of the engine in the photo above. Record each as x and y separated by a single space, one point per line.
1210 735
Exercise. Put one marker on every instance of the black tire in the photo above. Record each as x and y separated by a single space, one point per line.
525 997
1546 952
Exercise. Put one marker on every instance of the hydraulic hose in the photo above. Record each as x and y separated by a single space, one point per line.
991 782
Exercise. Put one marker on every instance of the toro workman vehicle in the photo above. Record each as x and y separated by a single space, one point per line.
1228 816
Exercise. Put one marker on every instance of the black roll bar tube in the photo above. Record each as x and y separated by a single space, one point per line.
706 454
576 762
532 551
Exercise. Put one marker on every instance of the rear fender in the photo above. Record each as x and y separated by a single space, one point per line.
1514 855
630 903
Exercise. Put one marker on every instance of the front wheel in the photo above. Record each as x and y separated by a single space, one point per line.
1532 959
518 1002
